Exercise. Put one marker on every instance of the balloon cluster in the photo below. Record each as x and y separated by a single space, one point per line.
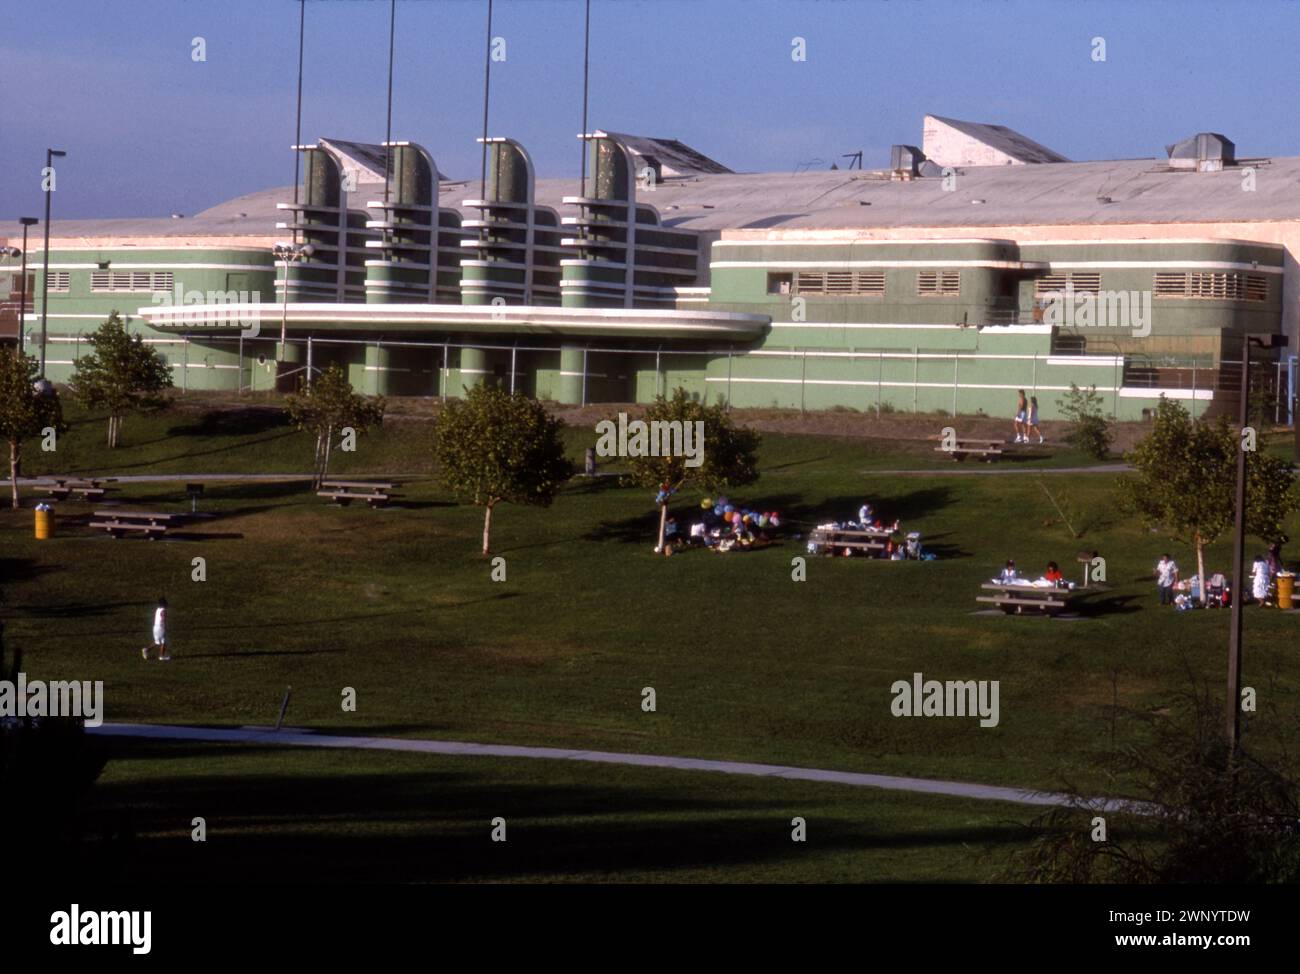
745 524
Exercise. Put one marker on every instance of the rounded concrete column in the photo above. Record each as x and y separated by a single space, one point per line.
473 368
377 359
288 358
569 387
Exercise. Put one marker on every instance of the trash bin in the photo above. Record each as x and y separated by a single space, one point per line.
1285 589
44 522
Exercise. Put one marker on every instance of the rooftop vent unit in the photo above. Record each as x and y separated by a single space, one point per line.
905 161
1203 152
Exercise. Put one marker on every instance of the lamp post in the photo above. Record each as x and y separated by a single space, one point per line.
26 221
50 156
286 254
1239 542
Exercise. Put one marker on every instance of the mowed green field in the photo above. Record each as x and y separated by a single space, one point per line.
745 663
294 815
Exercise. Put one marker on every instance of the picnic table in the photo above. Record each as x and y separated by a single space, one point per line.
868 539
344 492
60 488
1017 597
152 524
963 448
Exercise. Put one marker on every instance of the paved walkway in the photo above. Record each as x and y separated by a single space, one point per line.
303 738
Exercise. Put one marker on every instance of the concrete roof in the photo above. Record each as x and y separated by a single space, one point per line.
1140 190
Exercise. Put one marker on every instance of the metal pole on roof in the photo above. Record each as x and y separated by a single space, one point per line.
388 130
297 125
955 359
487 85
513 350
586 73
880 376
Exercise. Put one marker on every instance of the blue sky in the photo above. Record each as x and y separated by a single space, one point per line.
149 131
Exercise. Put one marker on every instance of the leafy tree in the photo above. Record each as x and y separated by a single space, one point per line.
1185 482
495 446
329 404
122 374
1194 813
729 453
23 413
1090 432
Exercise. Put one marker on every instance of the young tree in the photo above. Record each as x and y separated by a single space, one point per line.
1090 432
122 374
24 413
495 446
327 405
729 454
1185 479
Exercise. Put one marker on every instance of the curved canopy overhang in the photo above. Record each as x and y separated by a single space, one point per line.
319 317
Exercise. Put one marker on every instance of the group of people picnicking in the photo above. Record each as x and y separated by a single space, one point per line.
1051 577
1187 593
887 534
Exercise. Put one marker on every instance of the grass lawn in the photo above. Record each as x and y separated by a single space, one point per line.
746 664
295 814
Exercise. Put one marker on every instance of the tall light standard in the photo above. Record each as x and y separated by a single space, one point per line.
26 221
47 175
1239 541
286 254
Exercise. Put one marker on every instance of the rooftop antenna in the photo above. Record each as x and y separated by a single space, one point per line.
586 60
297 130
487 83
388 130
853 157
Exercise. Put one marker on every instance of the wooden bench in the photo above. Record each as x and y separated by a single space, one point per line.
984 449
868 540
344 492
152 524
60 488
1014 597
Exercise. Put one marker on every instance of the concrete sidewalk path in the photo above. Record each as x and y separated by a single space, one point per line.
302 738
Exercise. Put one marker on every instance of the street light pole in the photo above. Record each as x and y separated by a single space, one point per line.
26 221
1239 543
50 156
287 253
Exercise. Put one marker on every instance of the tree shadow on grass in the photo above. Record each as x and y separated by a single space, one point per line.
434 825
245 421
74 610
23 569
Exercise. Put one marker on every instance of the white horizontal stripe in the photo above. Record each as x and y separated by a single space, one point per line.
1134 392
1178 264
930 241
832 265
902 385
116 266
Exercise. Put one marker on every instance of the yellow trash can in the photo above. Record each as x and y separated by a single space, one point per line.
1285 589
44 524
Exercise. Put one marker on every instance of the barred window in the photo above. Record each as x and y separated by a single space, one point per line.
60 280
1212 286
131 280
1083 282
854 283
938 283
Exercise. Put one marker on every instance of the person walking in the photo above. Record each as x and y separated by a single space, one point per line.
1022 414
1166 578
1032 423
1261 580
159 633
